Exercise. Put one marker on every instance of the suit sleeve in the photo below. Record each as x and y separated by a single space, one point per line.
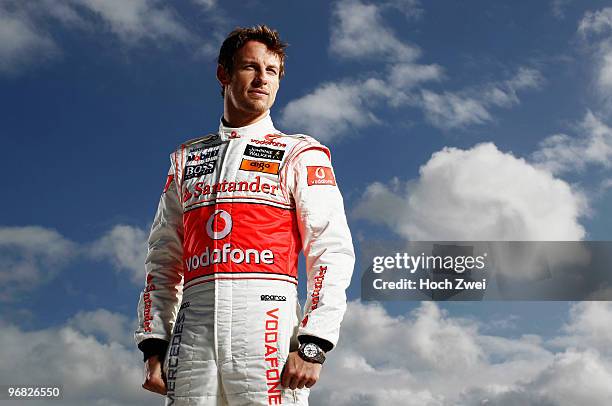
326 242
161 297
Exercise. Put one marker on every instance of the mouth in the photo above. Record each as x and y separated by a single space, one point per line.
259 92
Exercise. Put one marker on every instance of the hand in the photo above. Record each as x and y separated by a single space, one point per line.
299 373
154 381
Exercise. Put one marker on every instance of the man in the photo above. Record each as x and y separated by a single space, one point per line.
220 302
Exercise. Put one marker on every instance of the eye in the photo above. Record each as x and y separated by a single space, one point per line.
273 71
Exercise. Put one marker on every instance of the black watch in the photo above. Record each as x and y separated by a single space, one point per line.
311 352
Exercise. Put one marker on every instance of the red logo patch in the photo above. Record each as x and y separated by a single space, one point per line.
320 175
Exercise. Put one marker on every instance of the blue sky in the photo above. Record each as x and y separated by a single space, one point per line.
447 120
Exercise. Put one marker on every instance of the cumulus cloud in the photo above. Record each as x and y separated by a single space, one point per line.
387 359
478 194
356 24
32 256
26 37
29 257
126 247
331 110
425 357
561 153
596 26
108 326
136 20
336 109
589 327
449 110
596 22
92 371
21 42
470 106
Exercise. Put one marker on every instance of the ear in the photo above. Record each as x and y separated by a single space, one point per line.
222 76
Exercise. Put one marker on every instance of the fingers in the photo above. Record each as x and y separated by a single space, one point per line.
298 373
154 381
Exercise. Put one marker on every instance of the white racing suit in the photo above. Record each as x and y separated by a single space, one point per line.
221 270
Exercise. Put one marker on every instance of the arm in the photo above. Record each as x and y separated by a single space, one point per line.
328 248
159 302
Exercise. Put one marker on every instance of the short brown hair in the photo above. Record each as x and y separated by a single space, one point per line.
240 36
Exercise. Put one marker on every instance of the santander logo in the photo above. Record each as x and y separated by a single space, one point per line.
217 219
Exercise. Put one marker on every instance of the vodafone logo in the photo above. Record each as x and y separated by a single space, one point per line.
269 139
219 225
320 175
272 137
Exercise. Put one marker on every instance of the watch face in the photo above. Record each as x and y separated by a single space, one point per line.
310 350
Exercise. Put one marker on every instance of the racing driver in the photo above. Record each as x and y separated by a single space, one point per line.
219 319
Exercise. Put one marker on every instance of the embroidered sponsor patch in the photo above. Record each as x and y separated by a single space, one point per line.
320 175
264 153
259 166
197 156
195 171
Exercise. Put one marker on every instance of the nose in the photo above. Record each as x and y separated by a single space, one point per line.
261 77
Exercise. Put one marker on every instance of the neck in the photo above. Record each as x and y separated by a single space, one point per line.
238 119
241 120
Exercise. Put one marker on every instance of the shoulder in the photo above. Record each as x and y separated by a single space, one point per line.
303 143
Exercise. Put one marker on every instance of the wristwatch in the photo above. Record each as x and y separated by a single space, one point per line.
311 352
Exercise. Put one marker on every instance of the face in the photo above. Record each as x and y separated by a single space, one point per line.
251 88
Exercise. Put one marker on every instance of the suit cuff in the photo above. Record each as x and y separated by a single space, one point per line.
322 343
153 346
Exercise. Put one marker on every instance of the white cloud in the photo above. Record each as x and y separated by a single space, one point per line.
358 31
426 357
449 110
558 8
126 247
411 9
479 194
589 327
22 43
92 371
26 37
596 22
593 146
470 106
136 20
31 256
405 76
206 4
597 26
382 359
111 327
331 110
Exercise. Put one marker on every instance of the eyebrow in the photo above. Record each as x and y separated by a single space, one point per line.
249 61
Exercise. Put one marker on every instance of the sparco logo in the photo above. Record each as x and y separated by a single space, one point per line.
273 298
220 218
